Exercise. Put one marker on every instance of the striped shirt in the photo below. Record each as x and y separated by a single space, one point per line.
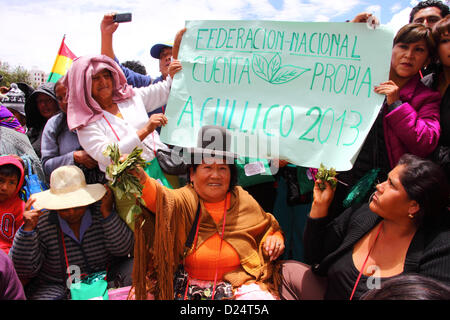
37 254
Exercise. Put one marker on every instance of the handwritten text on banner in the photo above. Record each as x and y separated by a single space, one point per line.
297 91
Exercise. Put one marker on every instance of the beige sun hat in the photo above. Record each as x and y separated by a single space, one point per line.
68 189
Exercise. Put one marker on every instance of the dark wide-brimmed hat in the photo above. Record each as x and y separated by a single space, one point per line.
213 142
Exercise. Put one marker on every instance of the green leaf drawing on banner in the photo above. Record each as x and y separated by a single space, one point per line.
274 72
260 66
274 66
287 73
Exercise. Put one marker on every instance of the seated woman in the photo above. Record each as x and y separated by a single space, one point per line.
81 229
408 121
404 229
60 146
105 110
235 242
440 81
40 106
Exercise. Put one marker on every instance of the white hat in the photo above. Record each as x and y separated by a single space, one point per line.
68 189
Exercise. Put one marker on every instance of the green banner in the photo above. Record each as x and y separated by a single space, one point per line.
301 92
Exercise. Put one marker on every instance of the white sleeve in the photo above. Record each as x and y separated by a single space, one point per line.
155 95
94 140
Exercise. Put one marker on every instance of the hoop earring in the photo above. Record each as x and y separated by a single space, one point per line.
411 216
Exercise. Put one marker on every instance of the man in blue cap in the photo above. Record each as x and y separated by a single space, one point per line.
162 52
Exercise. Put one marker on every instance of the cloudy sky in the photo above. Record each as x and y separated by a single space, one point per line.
32 29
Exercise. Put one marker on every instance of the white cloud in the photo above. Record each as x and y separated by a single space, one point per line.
375 10
396 7
399 19
32 30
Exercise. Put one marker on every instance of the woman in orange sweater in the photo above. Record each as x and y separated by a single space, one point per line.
235 243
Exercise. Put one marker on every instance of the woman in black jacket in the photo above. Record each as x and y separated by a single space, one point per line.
404 229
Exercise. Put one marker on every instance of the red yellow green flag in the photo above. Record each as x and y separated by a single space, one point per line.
62 63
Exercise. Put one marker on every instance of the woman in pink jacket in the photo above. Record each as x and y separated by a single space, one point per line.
408 121
411 111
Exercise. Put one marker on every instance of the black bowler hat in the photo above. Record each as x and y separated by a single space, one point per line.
213 141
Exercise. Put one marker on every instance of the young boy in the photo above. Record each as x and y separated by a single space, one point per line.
11 206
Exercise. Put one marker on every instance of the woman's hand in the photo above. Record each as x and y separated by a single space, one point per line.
390 90
177 42
156 120
30 216
364 17
322 199
107 202
274 246
108 26
138 172
82 157
174 67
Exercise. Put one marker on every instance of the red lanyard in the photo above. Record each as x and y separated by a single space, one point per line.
220 249
67 259
114 131
65 256
365 261
65 252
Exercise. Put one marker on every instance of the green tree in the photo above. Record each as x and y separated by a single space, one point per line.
17 74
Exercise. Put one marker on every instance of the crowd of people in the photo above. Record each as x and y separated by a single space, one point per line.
200 234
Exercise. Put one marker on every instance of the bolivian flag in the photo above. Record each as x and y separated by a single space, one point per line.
62 63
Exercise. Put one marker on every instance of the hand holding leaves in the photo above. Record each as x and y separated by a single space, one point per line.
125 184
324 174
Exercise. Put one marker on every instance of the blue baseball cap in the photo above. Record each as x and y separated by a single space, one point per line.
155 51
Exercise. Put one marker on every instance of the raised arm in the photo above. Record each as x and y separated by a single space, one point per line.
107 28
177 42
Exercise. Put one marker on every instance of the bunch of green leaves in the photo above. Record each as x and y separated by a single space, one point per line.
124 184
324 174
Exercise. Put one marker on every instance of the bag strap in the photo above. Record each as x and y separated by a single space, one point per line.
193 232
189 241
27 162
